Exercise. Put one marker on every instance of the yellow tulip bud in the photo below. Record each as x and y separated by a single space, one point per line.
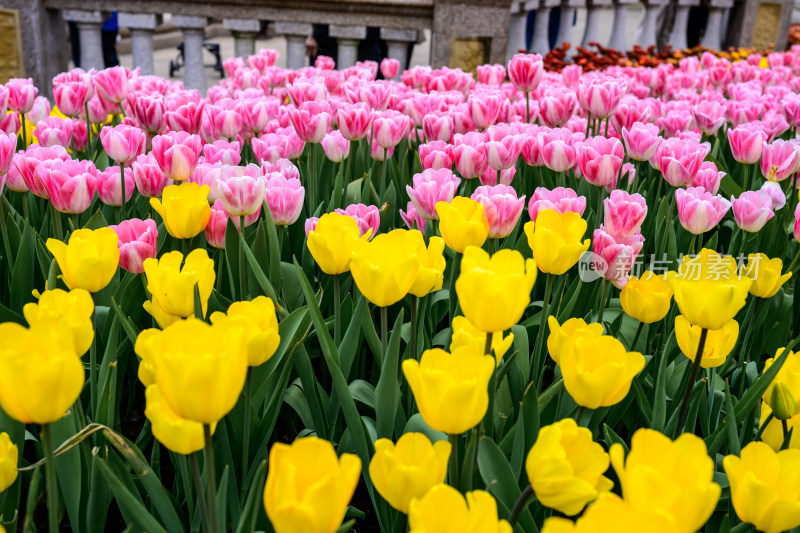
444 510
8 461
555 239
565 467
766 275
568 333
430 275
75 307
259 325
384 269
172 284
184 209
89 260
668 478
610 513
162 318
408 469
765 487
308 487
708 290
465 334
176 433
789 375
41 376
494 292
598 371
331 242
462 223
451 389
647 299
719 342
782 402
199 368
773 434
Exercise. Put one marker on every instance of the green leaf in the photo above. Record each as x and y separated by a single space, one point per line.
222 498
252 504
416 424
735 445
387 393
261 279
659 418
22 278
501 480
274 248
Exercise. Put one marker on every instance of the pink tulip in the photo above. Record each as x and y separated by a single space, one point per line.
624 213
779 160
54 131
679 160
375 94
263 59
775 193
148 176
123 143
502 153
285 198
354 120
177 153
614 258
561 200
484 108
389 128
39 111
241 189
430 187
3 100
746 142
796 223
222 151
437 126
8 145
367 216
558 149
109 188
70 97
490 176
501 207
21 95
70 185
599 96
708 177
700 211
336 147
311 120
285 167
217 223
675 122
412 218
80 134
709 116
25 164
556 107
599 159
10 123
629 113
14 181
791 108
752 210
111 84
469 154
379 153
324 63
525 71
436 155
270 147
491 74
390 68
222 120
641 141
186 117
310 225
148 110
304 90
137 240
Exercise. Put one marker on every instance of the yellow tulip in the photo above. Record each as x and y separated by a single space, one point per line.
565 467
766 275
451 389
176 433
765 487
430 275
555 239
41 376
75 307
259 325
598 371
184 209
568 333
719 342
773 433
408 469
444 510
611 514
172 285
143 348
494 292
384 269
465 334
462 223
673 479
308 487
331 242
647 299
8 461
162 318
789 375
89 260
199 368
708 290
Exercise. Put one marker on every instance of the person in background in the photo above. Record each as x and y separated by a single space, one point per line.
109 33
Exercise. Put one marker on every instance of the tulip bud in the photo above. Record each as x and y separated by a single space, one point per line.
782 402
8 462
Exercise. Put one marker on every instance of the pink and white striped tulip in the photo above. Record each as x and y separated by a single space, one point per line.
137 240
284 197
501 207
624 213
241 189
779 160
368 217
752 210
641 141
430 187
600 159
699 210
336 147
746 142
123 143
109 188
614 258
148 176
561 200
177 153
70 185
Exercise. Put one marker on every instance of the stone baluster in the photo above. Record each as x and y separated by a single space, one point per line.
677 39
567 18
712 38
296 34
646 34
541 38
142 26
89 24
397 41
244 33
347 39
516 29
619 26
194 29
592 20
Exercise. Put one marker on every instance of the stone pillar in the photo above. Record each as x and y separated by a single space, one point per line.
397 42
759 23
680 23
468 33
244 33
142 26
565 27
194 72
618 28
541 38
516 30
712 38
89 24
646 34
347 39
296 34
592 20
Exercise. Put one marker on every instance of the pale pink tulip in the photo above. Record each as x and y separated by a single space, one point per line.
699 210
779 160
187 116
614 258
389 128
241 189
752 210
311 120
599 96
469 154
412 218
556 107
490 176
430 187
708 177
310 225
624 213
123 143
776 194
177 153
285 198
148 110
367 216
354 120
390 68
222 151
111 84
70 97
70 185
709 116
599 159
39 111
436 155
525 71
437 126
336 147
21 95
501 207
641 141
485 107
679 160
561 200
25 162
558 148
109 186
54 131
137 240
148 176
491 74
746 142
502 153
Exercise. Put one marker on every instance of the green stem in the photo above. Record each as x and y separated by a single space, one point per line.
88 125
687 393
693 244
522 502
384 164
337 311
599 205
636 337
603 297
186 480
527 107
746 183
453 465
198 485
384 334
786 436
93 362
211 479
122 191
57 228
50 473
750 321
312 186
792 265
412 344
581 410
540 336
7 243
248 398
24 131
242 260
